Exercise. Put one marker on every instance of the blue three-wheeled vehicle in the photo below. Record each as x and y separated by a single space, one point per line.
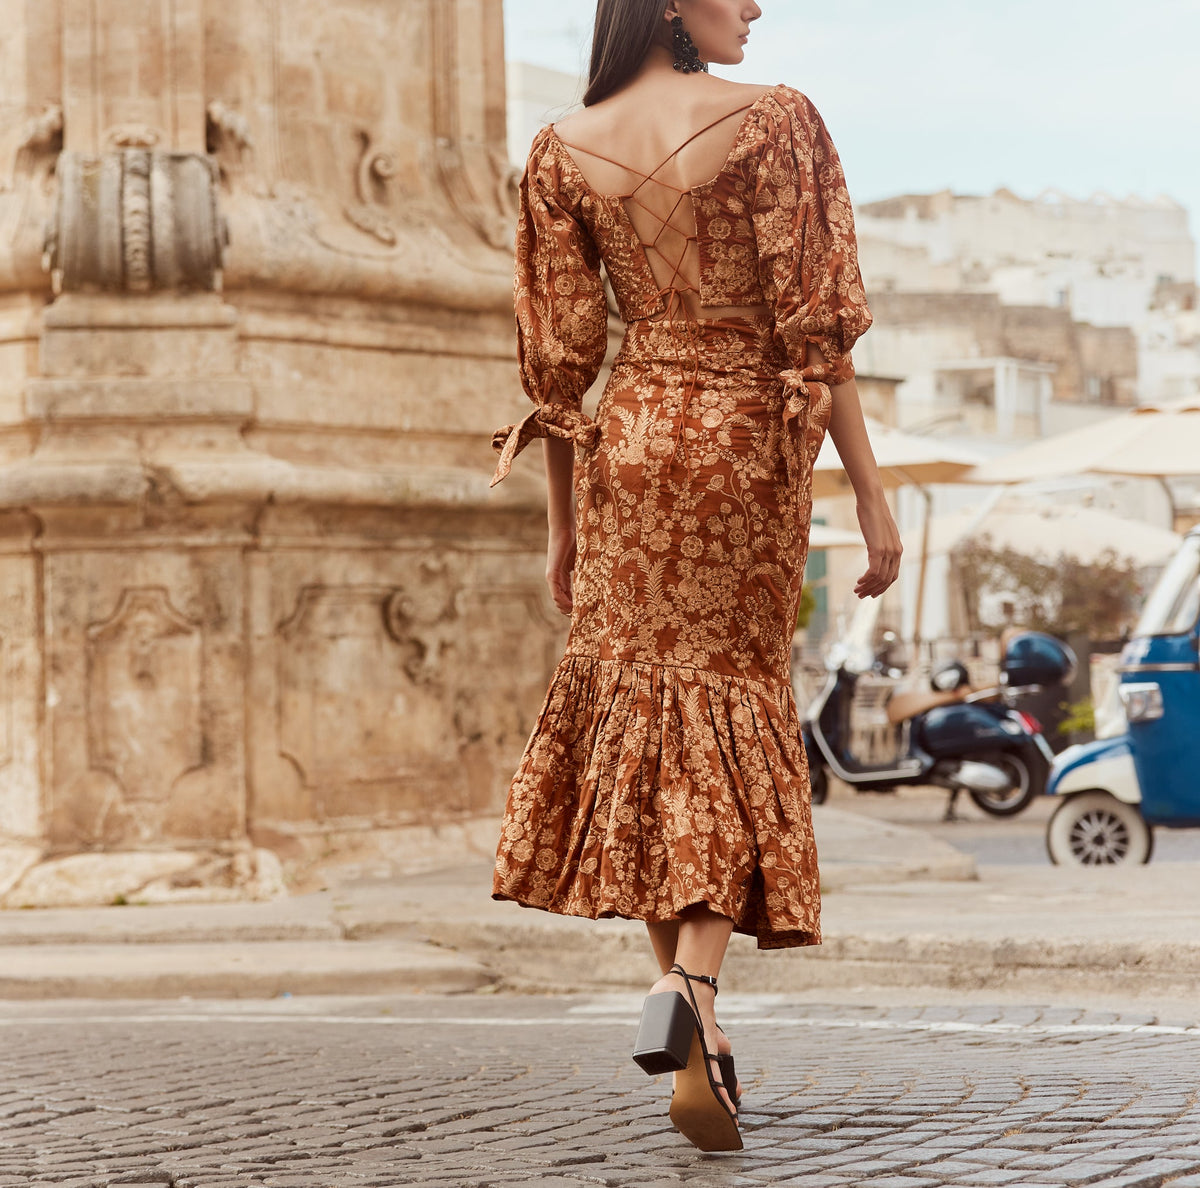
1146 772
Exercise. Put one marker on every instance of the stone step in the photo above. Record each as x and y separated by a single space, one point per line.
267 969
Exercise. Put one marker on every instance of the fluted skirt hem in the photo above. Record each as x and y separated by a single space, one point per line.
647 788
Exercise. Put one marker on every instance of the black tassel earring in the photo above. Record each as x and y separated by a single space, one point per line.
687 61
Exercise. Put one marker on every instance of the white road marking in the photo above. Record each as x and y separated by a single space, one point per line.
942 1026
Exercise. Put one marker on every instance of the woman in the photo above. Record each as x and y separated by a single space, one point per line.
666 779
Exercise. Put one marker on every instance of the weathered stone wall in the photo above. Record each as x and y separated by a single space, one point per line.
255 586
1093 364
1109 356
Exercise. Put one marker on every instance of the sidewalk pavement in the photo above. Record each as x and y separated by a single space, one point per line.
900 909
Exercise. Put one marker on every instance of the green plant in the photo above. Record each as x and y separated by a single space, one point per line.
1080 719
808 604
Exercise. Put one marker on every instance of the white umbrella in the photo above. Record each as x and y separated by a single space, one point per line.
1153 441
902 457
1057 530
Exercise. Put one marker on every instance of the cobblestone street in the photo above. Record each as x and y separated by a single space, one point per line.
473 1091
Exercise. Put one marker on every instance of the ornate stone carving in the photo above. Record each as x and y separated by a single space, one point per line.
135 223
368 214
228 139
475 176
350 712
136 220
227 127
132 136
41 142
423 620
144 695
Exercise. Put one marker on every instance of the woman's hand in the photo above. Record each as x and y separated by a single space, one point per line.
560 566
883 547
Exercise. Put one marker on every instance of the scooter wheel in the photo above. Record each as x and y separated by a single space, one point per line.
1027 781
1097 829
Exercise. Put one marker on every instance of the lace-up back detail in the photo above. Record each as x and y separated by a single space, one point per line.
670 242
660 209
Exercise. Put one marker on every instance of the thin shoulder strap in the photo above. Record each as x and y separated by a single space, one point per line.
674 152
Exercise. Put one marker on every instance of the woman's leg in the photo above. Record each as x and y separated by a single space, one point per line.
664 939
697 941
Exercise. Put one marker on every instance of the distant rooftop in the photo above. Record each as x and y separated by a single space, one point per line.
940 202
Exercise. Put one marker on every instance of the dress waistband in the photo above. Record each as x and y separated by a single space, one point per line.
742 347
708 345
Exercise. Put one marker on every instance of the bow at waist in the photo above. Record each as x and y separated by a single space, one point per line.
547 420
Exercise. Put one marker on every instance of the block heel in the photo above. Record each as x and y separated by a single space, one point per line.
671 1039
664 1038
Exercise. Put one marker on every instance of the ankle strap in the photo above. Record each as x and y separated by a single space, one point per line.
705 978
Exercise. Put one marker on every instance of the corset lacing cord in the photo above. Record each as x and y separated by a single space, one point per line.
674 305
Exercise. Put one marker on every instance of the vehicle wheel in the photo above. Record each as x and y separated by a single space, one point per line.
1027 780
818 779
1097 829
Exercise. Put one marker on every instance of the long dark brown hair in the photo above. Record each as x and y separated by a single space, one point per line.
625 31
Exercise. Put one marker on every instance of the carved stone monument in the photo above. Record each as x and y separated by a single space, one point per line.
255 329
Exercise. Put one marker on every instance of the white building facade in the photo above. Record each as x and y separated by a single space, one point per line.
1107 262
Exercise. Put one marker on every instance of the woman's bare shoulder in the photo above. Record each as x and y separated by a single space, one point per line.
580 120
752 92
610 114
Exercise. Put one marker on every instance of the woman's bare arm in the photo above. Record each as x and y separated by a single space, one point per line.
849 433
560 519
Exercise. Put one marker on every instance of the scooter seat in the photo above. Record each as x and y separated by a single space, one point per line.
911 702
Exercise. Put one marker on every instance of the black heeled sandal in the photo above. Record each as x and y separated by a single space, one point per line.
728 1074
671 1039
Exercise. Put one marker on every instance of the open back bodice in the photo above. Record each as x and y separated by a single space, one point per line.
673 246
659 209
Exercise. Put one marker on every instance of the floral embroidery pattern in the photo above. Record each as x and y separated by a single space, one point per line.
666 767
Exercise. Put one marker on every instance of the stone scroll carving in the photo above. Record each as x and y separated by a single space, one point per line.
228 139
375 167
475 177
358 706
41 142
404 701
136 220
144 695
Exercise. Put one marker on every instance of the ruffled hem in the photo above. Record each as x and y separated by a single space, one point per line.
647 788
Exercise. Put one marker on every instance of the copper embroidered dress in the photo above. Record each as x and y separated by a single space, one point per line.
666 767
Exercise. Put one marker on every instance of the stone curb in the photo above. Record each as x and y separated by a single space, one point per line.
265 970
534 953
533 958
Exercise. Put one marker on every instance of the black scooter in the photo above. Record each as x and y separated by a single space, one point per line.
973 742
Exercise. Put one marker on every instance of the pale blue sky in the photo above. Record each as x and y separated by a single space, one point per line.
932 94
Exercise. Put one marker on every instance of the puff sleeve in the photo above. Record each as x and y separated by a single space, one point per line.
808 260
561 307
